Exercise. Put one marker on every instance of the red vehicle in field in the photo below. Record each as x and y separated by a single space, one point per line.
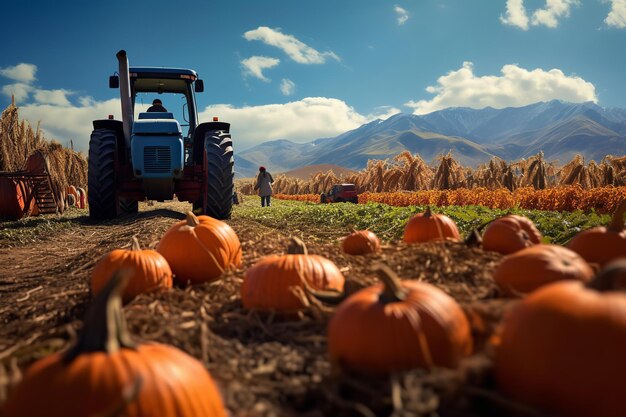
340 193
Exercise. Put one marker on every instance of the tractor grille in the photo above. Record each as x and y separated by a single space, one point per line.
157 159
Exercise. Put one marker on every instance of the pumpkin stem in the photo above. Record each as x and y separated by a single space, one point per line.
192 220
474 239
608 279
104 327
296 247
393 291
617 221
428 213
135 244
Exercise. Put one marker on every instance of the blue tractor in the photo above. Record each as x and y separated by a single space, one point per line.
152 157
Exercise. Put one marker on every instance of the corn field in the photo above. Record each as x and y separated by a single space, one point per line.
18 140
407 172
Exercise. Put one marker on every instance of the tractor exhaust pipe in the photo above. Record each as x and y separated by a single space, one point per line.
127 106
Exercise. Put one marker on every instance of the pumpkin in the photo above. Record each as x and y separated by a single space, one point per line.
603 243
510 233
71 190
397 326
427 226
82 198
200 249
71 200
269 283
561 349
107 374
15 198
360 242
528 269
150 270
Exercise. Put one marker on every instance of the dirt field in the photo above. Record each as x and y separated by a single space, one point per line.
265 365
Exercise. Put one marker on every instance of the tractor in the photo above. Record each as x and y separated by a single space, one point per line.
151 157
340 193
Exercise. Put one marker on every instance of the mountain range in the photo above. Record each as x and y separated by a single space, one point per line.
559 129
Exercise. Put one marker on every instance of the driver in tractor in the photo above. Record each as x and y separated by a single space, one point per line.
157 106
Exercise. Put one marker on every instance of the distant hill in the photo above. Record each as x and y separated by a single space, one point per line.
557 128
305 172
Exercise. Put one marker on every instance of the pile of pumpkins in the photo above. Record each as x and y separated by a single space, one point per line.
75 197
559 349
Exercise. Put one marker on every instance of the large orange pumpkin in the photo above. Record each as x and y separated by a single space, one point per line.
510 233
603 243
427 226
15 198
105 370
269 283
199 249
360 242
561 349
528 269
150 270
396 326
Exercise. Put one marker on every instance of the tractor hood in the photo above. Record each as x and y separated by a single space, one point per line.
156 124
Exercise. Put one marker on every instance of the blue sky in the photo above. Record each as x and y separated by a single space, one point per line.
302 70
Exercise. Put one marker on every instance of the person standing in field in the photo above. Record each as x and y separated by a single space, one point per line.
264 185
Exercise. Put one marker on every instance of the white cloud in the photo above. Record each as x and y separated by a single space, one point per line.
295 49
20 91
54 97
402 14
287 87
515 87
255 65
63 123
299 121
617 15
553 10
24 73
515 14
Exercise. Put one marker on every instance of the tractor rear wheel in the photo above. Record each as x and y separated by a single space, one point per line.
219 167
102 192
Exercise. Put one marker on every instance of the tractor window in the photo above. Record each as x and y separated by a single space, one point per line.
174 103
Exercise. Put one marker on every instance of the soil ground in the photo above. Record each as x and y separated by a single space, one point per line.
265 365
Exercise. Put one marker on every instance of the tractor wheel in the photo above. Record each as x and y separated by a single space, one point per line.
219 167
127 206
102 192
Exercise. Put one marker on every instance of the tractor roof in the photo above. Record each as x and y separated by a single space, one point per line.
161 80
160 72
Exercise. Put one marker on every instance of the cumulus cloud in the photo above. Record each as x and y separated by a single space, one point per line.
20 91
299 121
65 122
255 65
295 49
54 97
617 15
401 15
515 87
515 14
549 15
553 10
287 87
23 73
